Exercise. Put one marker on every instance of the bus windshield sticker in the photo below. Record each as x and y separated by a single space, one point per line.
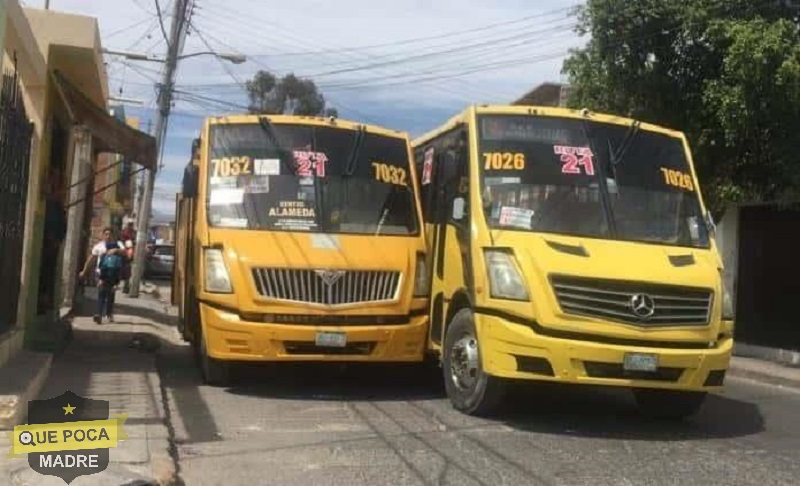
503 161
573 158
267 167
232 166
223 182
310 163
494 181
224 197
292 209
257 185
518 217
427 167
390 174
676 178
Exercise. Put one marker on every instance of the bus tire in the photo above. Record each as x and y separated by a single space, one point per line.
668 404
470 390
191 318
214 372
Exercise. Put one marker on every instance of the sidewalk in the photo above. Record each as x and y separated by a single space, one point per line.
768 365
114 362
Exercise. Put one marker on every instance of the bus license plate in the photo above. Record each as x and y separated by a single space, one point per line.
640 362
332 339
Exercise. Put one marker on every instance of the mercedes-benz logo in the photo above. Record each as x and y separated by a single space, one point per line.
329 277
642 305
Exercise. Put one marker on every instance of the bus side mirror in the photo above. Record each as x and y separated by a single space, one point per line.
458 208
190 182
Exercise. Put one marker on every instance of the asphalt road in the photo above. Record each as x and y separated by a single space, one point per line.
298 425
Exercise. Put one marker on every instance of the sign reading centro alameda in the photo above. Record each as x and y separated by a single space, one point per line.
67 436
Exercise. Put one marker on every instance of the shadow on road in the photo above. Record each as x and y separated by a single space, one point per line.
334 381
581 411
598 412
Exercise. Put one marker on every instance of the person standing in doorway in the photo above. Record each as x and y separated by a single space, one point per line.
128 233
109 257
55 230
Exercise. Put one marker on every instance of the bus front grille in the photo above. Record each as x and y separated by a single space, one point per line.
327 287
638 303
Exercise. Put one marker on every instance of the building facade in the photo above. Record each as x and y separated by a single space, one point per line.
55 101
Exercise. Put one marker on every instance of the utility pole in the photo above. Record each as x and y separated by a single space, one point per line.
177 35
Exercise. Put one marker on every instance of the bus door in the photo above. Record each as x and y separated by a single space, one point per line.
450 262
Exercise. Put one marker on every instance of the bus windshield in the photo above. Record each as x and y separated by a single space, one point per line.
542 174
295 177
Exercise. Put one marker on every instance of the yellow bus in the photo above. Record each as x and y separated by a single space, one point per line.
300 239
572 247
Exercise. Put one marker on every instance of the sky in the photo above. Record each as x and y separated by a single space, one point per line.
407 65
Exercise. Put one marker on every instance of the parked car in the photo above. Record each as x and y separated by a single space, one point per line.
160 260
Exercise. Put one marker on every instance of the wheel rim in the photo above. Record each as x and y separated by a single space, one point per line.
464 362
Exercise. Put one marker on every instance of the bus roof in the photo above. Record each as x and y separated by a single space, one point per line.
540 110
308 120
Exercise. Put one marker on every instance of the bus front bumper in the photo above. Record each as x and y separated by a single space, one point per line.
511 350
230 338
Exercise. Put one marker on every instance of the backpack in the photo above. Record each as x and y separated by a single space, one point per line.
111 266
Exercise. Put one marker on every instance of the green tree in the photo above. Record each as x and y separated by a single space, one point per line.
271 95
726 72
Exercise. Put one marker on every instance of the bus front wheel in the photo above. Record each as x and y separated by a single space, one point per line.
668 404
470 389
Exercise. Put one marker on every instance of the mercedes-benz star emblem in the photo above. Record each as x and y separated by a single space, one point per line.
642 305
329 277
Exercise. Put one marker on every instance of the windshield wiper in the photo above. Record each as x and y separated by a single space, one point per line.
604 195
618 156
283 154
350 165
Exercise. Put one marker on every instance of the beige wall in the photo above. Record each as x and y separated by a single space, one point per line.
45 41
80 33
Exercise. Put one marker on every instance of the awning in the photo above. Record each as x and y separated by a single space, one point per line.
108 133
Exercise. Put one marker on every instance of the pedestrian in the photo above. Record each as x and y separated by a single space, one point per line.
126 269
55 230
109 258
128 233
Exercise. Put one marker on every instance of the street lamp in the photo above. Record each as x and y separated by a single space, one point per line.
135 56
234 58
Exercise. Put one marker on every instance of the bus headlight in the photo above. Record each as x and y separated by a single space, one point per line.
505 279
728 304
218 280
422 284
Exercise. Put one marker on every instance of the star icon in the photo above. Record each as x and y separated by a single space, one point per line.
68 409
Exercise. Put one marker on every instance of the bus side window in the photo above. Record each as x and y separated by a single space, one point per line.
190 181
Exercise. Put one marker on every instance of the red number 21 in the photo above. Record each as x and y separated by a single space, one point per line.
575 157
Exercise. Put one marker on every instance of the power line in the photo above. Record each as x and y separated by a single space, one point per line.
441 67
237 26
459 48
128 28
425 38
161 22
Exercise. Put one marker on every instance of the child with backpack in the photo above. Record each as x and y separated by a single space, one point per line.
111 258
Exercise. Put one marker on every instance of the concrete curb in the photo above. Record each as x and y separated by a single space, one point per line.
775 355
765 372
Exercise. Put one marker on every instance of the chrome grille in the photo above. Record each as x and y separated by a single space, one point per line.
327 287
639 303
